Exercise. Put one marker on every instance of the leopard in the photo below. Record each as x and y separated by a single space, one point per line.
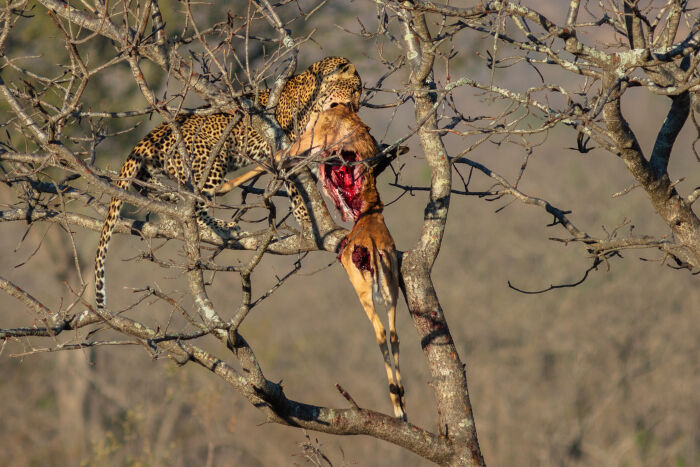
326 83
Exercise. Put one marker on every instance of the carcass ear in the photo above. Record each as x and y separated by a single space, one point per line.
397 151
383 162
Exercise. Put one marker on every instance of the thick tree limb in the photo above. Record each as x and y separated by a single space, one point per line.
672 126
448 376
672 208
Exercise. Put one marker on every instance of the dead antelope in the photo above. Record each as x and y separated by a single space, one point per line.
343 144
368 255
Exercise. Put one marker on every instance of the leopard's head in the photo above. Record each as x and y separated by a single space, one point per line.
338 83
329 82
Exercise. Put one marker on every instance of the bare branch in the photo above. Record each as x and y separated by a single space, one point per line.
673 124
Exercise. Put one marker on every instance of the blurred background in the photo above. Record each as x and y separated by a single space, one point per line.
605 373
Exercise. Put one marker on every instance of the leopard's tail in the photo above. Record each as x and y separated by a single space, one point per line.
129 170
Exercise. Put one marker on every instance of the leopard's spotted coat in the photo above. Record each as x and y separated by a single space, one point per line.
328 81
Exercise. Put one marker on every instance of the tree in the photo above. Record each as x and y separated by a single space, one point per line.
59 132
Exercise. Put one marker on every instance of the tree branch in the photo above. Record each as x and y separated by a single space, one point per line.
448 376
672 126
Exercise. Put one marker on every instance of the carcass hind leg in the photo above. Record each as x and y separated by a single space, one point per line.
364 292
394 342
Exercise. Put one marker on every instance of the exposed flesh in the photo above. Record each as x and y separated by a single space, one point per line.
361 258
343 183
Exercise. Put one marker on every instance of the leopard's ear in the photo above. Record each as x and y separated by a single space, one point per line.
347 69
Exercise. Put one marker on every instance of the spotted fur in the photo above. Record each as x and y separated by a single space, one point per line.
326 82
